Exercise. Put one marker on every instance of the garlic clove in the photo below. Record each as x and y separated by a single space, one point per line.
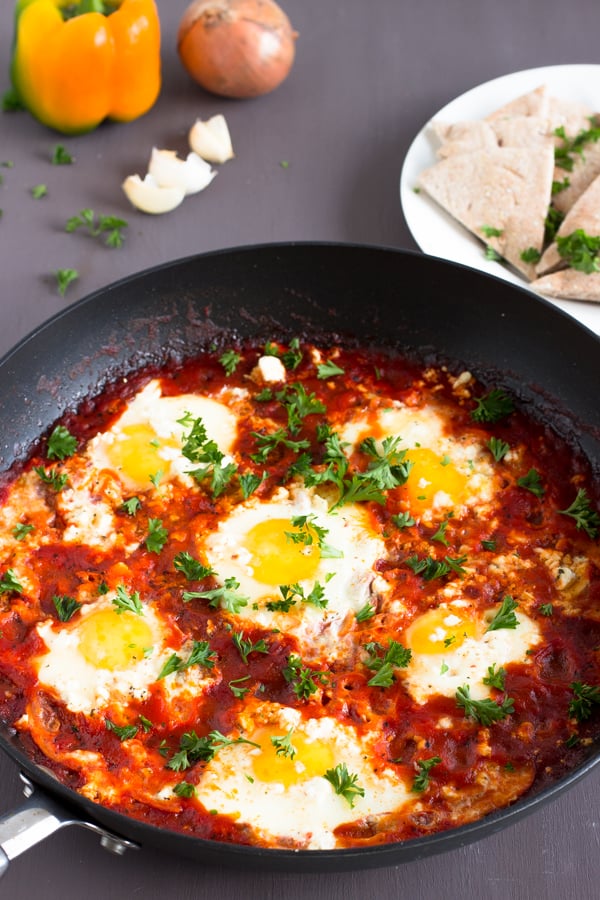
192 174
211 139
149 197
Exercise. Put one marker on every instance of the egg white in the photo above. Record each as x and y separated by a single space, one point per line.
308 811
428 674
427 428
84 687
162 415
349 581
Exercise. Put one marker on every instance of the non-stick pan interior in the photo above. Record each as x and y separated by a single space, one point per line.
428 308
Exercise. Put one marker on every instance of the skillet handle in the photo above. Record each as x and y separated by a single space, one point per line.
38 818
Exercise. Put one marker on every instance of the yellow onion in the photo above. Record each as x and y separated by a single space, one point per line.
236 48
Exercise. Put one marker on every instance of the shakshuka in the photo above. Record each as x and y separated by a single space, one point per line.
301 597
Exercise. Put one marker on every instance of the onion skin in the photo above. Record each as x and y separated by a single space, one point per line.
236 48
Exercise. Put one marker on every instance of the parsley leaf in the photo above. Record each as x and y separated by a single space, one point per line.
532 482
531 255
383 661
403 520
585 517
267 443
184 789
61 156
230 360
65 606
61 443
56 480
199 449
483 711
283 744
9 582
124 602
495 677
431 568
344 783
123 732
546 609
250 482
301 677
65 277
497 448
157 536
328 369
110 226
365 613
21 530
489 231
492 407
227 596
390 468
421 782
200 655
245 647
505 617
299 405
584 696
193 570
193 748
131 506
565 155
239 692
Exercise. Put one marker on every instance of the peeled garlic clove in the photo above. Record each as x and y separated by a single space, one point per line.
211 139
150 197
192 174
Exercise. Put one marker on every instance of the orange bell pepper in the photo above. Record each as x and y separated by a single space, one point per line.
77 63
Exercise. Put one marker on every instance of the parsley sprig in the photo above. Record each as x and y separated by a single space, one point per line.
344 783
110 227
584 697
302 678
246 647
580 250
431 568
65 606
421 781
204 453
227 596
192 568
9 582
492 407
201 654
283 744
193 749
486 712
383 661
586 518
505 616
124 602
61 443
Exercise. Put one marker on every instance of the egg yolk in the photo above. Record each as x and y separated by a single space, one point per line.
310 758
439 631
111 640
136 453
278 559
431 474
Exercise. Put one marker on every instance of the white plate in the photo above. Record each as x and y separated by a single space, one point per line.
439 234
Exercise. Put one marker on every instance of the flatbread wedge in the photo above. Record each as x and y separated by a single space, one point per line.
569 284
584 215
500 195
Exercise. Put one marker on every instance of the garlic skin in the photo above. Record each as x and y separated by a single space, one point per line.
149 197
211 139
191 174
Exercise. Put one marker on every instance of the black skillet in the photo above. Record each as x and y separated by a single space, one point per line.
418 305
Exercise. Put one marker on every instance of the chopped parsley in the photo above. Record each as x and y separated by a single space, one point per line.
344 783
236 690
193 749
61 156
230 360
131 506
157 536
283 744
328 370
492 407
193 570
572 147
421 781
200 655
245 647
123 732
431 568
498 448
486 712
531 255
124 602
250 482
489 231
505 616
546 609
302 678
584 697
586 518
21 530
197 448
9 582
184 789
532 482
227 596
110 227
365 613
61 443
65 606
54 479
495 677
383 661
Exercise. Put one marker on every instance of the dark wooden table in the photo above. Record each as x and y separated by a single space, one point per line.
319 159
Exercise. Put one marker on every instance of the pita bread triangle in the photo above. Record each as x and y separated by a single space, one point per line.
501 196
